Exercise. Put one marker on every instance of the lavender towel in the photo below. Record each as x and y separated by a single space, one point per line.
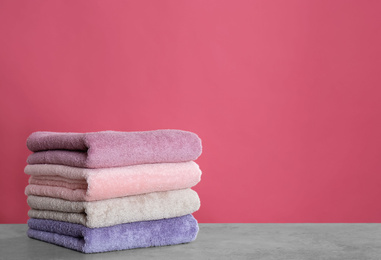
162 232
113 149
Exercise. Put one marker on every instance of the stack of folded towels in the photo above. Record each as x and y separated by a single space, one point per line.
105 191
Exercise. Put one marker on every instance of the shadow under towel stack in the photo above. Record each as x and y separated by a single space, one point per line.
106 191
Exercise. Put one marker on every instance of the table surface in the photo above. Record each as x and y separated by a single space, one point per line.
224 241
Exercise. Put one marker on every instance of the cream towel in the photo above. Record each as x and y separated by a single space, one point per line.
103 213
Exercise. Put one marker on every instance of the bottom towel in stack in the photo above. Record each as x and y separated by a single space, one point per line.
160 232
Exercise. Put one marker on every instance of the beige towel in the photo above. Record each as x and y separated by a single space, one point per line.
103 213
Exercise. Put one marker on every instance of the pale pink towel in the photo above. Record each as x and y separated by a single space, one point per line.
81 184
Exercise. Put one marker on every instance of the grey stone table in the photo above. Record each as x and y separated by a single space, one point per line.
224 241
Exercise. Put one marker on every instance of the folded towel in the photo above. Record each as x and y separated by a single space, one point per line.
103 213
81 184
113 149
119 237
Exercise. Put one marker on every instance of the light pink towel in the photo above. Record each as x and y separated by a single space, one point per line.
81 184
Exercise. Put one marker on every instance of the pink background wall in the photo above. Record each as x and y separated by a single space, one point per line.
286 96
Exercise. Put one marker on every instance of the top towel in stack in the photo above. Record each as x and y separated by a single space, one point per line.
103 165
113 149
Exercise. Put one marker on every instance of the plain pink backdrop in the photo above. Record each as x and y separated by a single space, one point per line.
286 96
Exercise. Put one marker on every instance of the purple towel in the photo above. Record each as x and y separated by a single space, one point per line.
161 232
113 149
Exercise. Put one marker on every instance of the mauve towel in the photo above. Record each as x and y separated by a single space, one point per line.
162 232
103 213
81 184
113 149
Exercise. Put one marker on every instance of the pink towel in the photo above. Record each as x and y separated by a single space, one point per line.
81 184
113 149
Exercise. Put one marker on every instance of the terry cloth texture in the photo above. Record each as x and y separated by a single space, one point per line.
81 184
113 149
103 213
119 237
